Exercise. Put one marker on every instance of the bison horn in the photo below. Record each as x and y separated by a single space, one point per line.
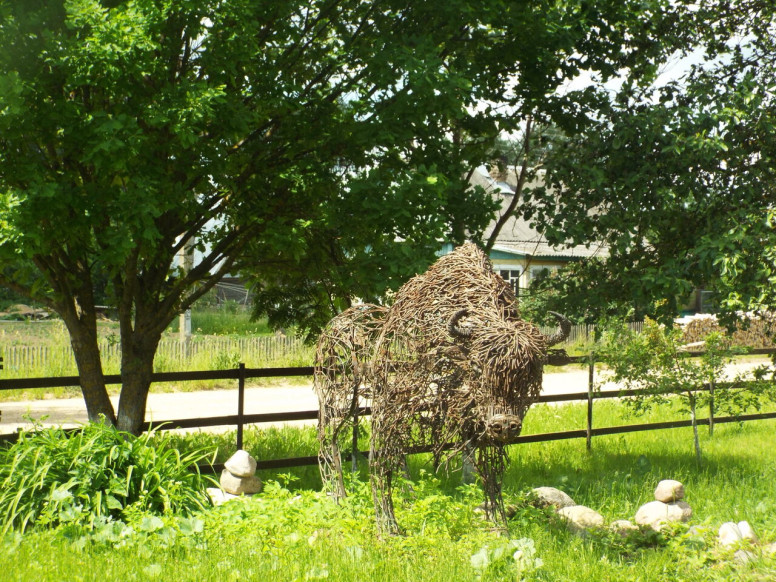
563 331
454 329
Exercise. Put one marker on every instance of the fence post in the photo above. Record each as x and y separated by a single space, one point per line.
590 379
240 403
711 409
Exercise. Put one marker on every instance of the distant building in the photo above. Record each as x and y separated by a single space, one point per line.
521 254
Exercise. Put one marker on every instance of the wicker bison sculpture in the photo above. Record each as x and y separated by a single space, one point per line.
449 368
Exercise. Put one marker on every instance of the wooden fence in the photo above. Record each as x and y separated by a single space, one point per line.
211 352
240 419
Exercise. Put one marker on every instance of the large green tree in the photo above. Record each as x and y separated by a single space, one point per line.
678 178
321 145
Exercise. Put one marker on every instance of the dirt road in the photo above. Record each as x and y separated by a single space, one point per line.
284 398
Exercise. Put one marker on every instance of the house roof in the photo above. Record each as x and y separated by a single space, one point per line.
517 236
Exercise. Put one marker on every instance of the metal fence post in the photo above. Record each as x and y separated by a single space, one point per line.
590 379
240 404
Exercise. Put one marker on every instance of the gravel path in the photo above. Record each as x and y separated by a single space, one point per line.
284 398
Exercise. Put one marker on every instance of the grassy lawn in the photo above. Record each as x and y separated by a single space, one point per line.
292 532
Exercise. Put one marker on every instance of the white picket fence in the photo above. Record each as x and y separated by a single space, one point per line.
200 353
209 353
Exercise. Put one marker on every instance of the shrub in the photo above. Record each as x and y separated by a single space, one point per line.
52 476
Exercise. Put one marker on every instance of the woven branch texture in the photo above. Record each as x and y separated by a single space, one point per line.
448 366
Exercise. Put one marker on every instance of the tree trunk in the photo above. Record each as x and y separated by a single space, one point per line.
80 317
137 367
87 358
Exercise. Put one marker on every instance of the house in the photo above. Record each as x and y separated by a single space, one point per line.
520 254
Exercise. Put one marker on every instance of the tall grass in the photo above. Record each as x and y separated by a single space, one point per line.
292 532
42 349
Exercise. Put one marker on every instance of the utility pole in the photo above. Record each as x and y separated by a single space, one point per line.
186 262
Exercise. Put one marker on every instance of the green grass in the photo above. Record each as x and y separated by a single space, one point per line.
292 532
42 349
227 319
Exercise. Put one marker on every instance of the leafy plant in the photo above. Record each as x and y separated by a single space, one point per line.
655 363
510 556
52 476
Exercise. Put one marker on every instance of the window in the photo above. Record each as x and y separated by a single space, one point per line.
542 272
511 276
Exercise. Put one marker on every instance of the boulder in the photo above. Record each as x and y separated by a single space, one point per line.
685 509
744 556
656 514
239 485
509 509
731 533
623 527
219 496
580 518
747 532
241 464
550 496
669 490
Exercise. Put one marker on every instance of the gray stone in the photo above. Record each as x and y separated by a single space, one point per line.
241 464
747 532
509 509
239 485
685 509
729 534
623 527
656 514
669 490
744 556
219 496
580 518
550 496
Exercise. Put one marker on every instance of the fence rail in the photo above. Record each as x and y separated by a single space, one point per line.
240 419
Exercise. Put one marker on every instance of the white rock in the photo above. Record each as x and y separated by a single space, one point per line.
656 514
550 496
241 464
770 549
729 534
219 496
744 556
623 527
669 490
747 533
685 508
581 518
239 485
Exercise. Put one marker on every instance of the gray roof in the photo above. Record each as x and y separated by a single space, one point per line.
517 236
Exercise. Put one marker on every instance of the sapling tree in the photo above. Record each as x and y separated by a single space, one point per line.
656 363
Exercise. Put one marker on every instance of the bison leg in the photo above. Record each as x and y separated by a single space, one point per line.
490 467
329 460
381 478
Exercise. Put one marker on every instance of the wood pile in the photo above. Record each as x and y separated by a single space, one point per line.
754 331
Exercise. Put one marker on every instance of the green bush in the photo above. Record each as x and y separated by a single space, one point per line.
52 476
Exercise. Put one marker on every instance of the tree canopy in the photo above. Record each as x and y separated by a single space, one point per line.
677 179
320 146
